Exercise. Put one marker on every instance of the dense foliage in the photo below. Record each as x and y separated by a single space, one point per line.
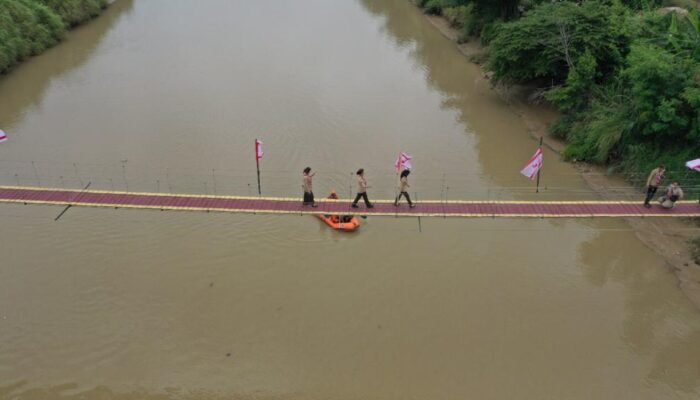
74 12
624 73
28 27
476 17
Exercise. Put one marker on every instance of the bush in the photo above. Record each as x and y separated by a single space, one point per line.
639 159
573 95
440 7
488 31
458 16
598 135
74 12
433 7
28 27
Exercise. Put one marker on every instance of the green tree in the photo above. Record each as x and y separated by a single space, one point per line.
574 94
26 29
74 12
657 79
545 42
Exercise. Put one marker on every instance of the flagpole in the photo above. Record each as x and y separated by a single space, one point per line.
257 166
3 138
537 189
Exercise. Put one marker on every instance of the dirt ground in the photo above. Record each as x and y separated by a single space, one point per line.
669 238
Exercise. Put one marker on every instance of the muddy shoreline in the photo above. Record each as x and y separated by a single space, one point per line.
668 237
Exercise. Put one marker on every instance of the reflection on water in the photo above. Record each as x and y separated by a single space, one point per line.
653 325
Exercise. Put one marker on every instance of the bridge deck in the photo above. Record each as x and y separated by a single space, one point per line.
267 205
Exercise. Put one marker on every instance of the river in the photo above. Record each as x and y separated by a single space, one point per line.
169 96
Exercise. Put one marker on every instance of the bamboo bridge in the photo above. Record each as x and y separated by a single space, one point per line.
278 205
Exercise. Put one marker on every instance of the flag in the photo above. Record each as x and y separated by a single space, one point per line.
258 149
694 164
3 136
534 165
403 162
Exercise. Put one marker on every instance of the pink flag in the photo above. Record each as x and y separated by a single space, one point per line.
533 165
258 149
3 136
403 162
694 164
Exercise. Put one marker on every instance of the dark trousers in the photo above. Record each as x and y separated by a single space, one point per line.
404 194
362 195
308 198
651 191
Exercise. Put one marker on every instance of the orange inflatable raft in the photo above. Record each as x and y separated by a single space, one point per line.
346 223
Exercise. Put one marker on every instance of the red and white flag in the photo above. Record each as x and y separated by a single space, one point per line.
533 165
3 136
258 149
694 164
403 162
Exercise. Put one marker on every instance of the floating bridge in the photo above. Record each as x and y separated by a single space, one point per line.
276 205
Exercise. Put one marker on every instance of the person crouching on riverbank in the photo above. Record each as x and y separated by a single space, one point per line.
361 189
673 194
403 189
307 185
655 178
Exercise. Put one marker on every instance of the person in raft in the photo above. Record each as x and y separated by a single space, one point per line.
307 185
655 178
344 218
361 189
673 194
403 186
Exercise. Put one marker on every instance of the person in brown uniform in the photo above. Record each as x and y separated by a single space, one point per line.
307 185
403 188
673 194
361 189
655 178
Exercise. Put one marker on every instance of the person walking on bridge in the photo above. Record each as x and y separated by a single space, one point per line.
403 188
361 189
655 178
307 185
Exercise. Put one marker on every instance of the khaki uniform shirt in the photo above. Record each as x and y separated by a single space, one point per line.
655 177
674 191
308 184
361 184
671 191
403 184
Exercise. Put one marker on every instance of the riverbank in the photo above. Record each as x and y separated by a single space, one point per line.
31 27
670 239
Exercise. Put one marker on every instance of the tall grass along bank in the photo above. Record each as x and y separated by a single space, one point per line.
29 27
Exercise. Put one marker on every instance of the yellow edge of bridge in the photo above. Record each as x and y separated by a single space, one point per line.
381 214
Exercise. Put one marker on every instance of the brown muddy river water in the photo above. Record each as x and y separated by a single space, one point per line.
169 96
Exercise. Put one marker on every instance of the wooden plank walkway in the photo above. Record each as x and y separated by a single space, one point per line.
272 205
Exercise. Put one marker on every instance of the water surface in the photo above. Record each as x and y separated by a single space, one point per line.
169 96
